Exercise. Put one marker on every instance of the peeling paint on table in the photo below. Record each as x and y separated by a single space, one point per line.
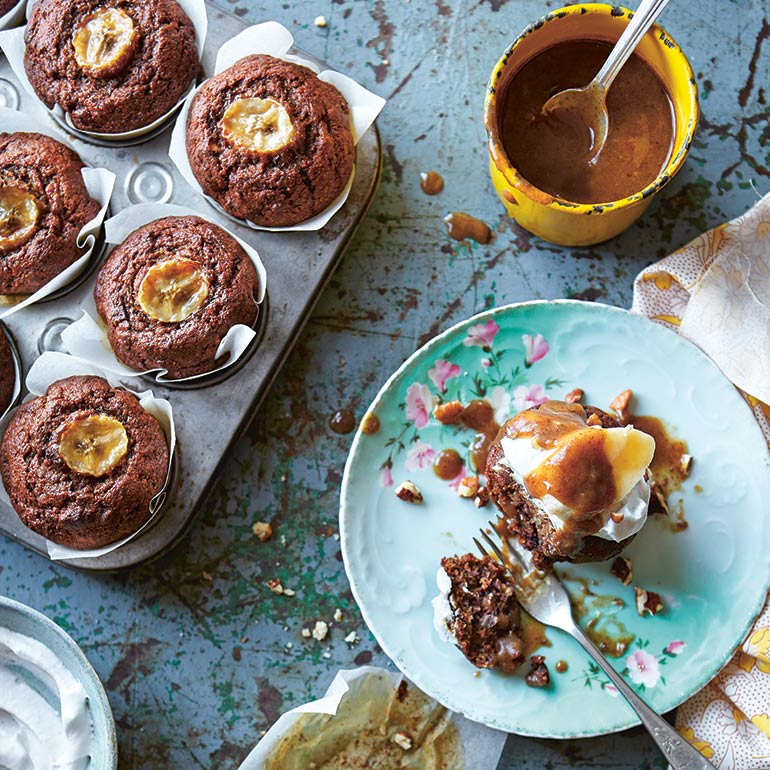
198 655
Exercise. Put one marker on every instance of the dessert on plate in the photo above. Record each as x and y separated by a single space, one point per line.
6 5
112 65
7 371
571 482
82 463
44 204
269 141
171 292
477 610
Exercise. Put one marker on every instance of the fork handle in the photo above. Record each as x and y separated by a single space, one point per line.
680 753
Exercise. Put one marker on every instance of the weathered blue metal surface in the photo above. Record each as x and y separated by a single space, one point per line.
198 655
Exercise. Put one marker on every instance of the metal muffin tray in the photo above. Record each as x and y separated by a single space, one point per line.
298 266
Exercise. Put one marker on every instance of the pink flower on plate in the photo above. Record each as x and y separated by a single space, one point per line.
610 689
386 476
442 371
526 396
455 482
419 404
419 456
535 348
500 400
643 668
675 647
486 363
481 335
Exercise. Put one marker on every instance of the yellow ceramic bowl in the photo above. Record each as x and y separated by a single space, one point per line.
581 224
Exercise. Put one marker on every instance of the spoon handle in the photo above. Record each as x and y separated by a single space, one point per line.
643 18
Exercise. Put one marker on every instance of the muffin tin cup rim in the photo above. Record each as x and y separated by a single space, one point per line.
17 371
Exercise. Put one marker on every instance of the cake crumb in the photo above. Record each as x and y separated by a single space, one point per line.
647 601
262 530
207 575
275 586
306 633
337 615
408 492
621 569
320 630
289 592
482 497
320 21
352 638
538 675
685 463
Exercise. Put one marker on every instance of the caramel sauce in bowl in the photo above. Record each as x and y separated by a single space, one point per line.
532 165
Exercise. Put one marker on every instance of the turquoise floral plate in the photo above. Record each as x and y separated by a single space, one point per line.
712 577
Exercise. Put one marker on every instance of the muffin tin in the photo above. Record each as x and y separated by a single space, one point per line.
210 414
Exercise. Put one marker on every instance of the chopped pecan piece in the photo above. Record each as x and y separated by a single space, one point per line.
620 405
621 569
647 601
408 492
468 486
403 739
575 396
482 497
685 463
262 530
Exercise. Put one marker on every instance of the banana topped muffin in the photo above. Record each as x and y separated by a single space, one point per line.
171 291
44 204
7 371
81 463
571 482
112 65
269 141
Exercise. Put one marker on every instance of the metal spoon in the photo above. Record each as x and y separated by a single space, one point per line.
586 108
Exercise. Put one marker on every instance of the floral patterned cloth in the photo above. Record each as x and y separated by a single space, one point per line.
716 292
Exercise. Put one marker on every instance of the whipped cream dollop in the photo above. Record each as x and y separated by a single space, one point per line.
45 721
442 609
623 517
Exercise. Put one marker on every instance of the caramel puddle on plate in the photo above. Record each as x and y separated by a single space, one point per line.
668 468
462 226
604 629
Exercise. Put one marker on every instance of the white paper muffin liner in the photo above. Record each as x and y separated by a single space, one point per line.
50 368
98 181
274 39
12 43
482 746
87 339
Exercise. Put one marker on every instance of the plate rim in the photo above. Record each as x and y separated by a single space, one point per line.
105 714
344 493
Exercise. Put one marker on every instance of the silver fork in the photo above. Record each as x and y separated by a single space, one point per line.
544 597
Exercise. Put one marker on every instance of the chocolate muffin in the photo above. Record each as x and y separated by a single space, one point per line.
525 520
269 141
6 5
171 291
7 371
82 463
112 65
44 204
485 617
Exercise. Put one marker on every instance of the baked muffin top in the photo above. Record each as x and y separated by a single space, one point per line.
112 65
82 462
44 204
269 141
171 291
7 372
